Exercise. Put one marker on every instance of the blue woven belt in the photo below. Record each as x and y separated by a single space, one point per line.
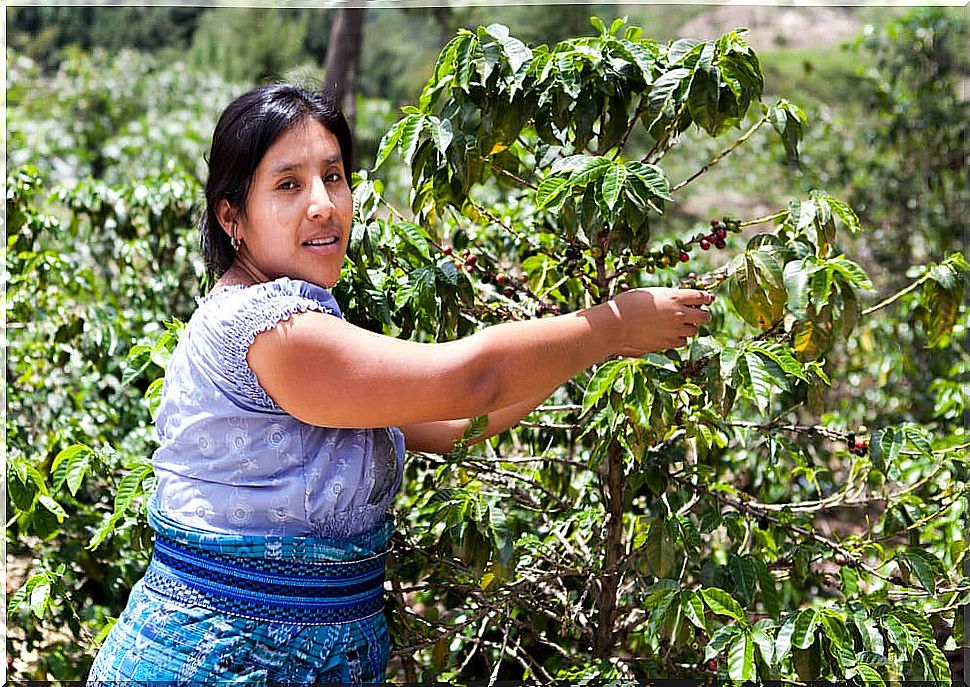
276 590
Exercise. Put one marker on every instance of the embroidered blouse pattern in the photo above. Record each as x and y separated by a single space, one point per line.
231 460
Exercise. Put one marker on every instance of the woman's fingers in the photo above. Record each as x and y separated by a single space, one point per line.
696 297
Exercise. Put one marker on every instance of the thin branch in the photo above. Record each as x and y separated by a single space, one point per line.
549 425
674 123
513 177
925 520
641 108
746 507
764 219
723 154
896 296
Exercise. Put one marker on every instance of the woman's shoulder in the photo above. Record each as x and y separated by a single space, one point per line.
227 301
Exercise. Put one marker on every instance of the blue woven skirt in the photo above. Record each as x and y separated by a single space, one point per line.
252 610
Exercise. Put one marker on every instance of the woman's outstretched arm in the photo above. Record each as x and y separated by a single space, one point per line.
328 372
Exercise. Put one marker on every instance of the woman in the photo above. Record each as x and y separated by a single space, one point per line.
283 428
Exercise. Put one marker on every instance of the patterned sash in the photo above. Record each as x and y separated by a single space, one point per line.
301 580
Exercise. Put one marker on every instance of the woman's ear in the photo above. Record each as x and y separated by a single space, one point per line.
226 214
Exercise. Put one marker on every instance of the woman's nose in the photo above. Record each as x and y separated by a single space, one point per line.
320 203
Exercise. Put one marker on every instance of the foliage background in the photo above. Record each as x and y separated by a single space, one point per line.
100 260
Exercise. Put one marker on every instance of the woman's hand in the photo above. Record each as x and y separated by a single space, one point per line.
656 319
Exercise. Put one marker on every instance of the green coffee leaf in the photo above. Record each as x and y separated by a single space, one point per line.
612 185
869 675
787 119
720 639
552 192
40 595
783 639
741 658
722 603
761 381
803 635
851 271
770 596
601 383
475 429
53 506
390 140
779 354
693 608
884 448
659 551
796 277
653 178
71 465
745 578
841 209
766 646
897 635
924 566
757 289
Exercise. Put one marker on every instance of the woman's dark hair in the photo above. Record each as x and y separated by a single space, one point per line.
245 131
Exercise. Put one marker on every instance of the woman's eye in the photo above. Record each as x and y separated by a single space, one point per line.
287 185
333 177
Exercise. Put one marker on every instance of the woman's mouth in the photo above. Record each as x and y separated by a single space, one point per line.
328 241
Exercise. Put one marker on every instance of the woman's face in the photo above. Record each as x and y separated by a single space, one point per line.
299 210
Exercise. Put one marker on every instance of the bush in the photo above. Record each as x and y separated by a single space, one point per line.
712 510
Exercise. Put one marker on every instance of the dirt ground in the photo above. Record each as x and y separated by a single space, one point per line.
777 27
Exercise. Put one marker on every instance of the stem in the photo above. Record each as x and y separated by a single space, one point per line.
925 520
727 151
665 135
507 173
808 533
604 637
629 130
407 660
895 297
762 220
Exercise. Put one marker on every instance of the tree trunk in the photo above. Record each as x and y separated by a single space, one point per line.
605 637
343 58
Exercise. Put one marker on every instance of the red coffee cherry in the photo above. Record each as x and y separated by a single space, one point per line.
720 243
683 257
705 244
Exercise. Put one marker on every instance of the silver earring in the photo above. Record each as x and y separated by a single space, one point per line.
234 240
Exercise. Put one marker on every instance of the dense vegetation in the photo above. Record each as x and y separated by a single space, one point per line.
786 498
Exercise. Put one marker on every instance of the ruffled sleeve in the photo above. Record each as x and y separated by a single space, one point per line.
230 320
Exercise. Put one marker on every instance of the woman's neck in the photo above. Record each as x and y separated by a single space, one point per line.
240 273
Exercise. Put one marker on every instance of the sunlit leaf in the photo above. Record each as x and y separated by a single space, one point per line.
722 603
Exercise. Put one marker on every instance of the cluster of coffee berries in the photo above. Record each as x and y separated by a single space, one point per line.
694 368
857 445
667 256
503 282
466 259
571 262
679 251
718 235
708 666
545 308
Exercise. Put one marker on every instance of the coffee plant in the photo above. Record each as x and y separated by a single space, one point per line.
721 510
